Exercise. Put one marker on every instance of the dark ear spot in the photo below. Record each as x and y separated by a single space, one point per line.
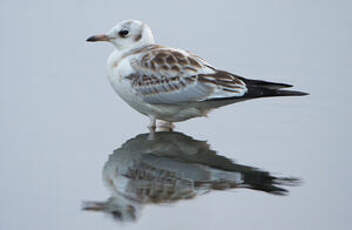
138 37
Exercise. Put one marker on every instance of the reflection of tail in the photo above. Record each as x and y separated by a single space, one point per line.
257 88
263 181
250 178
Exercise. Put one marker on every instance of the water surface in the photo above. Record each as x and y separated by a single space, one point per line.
60 121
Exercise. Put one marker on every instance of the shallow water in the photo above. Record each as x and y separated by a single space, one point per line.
63 129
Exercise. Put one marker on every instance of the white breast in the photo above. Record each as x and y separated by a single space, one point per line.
118 69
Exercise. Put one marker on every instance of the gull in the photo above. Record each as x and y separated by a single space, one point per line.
170 84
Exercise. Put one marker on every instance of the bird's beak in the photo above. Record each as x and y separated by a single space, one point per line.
98 38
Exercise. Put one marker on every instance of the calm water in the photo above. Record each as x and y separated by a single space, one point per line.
68 142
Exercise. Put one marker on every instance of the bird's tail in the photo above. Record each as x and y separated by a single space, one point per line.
258 88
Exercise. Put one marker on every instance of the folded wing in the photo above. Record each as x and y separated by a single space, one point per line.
169 76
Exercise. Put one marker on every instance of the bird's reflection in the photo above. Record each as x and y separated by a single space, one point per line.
170 168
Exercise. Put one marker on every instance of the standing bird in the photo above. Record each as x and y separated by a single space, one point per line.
171 84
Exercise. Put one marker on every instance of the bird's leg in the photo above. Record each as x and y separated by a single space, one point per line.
166 126
152 124
152 127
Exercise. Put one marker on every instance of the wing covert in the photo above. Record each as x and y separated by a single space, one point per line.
168 76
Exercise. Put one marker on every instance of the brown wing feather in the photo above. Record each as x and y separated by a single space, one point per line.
165 75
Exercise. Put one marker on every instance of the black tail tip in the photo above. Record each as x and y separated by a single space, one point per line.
291 93
299 93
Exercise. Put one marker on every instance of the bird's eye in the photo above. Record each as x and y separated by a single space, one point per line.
123 33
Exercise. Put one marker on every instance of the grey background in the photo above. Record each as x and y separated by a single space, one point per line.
60 119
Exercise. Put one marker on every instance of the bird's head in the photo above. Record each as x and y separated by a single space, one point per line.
126 35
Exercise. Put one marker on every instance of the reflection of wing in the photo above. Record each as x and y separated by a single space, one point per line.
166 76
173 157
195 161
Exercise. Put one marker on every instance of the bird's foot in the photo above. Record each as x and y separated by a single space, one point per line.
166 126
151 135
152 128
